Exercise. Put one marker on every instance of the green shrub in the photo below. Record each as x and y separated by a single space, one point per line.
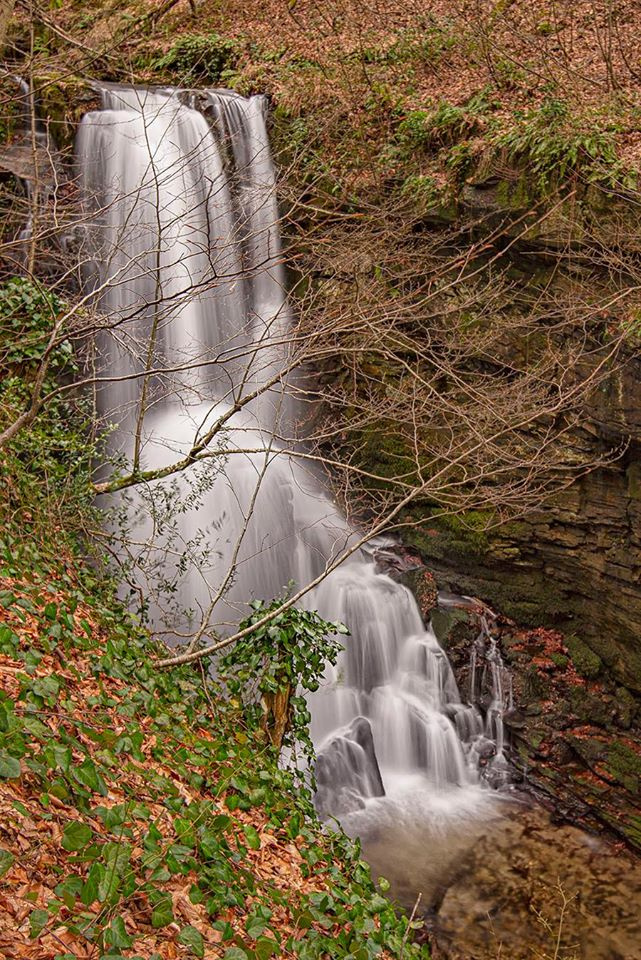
413 130
422 190
448 124
200 58
46 466
267 669
553 145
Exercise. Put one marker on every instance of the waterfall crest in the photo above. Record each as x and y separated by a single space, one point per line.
184 253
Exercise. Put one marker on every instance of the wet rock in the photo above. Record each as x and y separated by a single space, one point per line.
527 884
347 770
423 585
563 730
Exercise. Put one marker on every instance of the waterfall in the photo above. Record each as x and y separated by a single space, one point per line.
183 252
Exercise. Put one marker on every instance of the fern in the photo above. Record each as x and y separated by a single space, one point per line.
555 146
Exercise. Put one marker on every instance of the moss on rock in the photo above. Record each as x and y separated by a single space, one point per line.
585 660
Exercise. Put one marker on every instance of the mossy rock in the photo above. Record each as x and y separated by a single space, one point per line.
590 708
535 685
559 660
446 623
62 103
460 535
585 660
624 764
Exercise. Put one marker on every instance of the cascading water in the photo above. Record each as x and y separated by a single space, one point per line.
184 256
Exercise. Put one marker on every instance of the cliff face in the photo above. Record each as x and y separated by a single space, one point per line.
577 566
576 563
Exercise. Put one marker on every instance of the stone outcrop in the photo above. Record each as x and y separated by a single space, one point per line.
527 888
574 734
576 564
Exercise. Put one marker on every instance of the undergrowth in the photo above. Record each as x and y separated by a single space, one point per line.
46 469
144 813
147 780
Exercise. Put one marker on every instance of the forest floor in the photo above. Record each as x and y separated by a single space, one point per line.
138 816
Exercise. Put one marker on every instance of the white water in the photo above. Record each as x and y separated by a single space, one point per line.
185 253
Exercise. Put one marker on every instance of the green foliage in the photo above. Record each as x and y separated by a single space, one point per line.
47 465
268 667
470 527
553 145
460 160
427 44
27 315
422 130
201 58
625 764
421 190
413 132
212 751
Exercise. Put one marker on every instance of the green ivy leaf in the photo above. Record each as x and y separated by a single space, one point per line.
76 836
254 927
87 774
191 937
38 920
235 953
57 755
162 914
9 766
116 935
265 948
6 861
252 837
92 885
116 857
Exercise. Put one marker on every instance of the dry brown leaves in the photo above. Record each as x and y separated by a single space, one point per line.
32 831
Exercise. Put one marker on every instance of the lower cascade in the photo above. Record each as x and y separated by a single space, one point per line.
180 192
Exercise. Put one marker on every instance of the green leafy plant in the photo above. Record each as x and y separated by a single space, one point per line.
27 314
266 670
447 124
200 58
553 145
198 788
47 466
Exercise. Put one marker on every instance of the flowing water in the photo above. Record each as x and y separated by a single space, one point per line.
184 253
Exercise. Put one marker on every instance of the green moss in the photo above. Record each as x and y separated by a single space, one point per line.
63 101
458 535
633 476
11 118
536 738
586 662
471 526
559 660
444 623
624 764
589 708
536 686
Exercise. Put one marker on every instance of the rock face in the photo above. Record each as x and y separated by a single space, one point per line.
506 881
577 564
574 734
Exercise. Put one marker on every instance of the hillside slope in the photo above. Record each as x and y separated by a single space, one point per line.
139 818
